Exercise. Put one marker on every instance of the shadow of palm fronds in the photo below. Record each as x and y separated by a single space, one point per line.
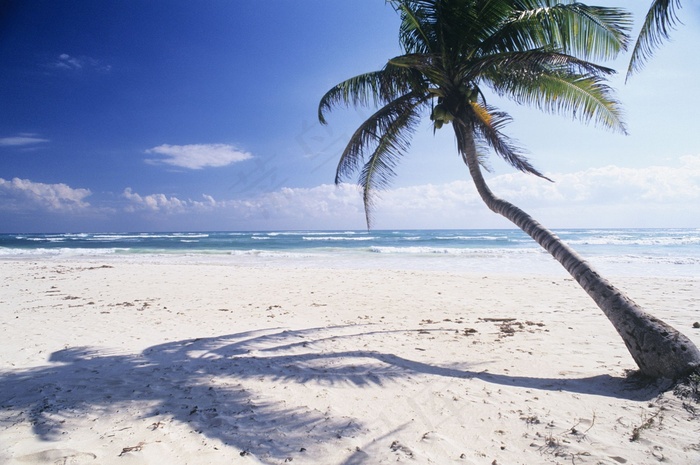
203 383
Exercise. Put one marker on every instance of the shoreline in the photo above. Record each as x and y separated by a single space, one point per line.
112 361
614 252
534 263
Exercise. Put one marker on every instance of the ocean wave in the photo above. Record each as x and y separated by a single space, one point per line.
337 238
126 236
472 238
314 233
45 239
453 251
636 241
642 260
269 253
58 251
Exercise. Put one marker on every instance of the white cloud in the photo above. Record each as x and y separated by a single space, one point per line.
660 196
286 208
68 62
72 63
198 156
609 185
656 196
23 194
23 139
163 204
324 203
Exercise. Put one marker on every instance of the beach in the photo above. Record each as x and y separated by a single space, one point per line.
179 360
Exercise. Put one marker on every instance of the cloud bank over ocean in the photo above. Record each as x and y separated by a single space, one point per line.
607 196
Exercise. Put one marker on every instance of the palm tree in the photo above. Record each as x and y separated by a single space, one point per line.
534 52
658 23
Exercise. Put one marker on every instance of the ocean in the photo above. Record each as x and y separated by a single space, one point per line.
626 252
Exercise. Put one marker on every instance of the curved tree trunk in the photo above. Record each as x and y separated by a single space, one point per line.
659 350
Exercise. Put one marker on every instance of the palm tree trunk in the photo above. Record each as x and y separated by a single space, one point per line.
659 350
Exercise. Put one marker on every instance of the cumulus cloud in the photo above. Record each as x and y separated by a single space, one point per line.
655 196
323 206
163 204
23 194
321 203
610 196
608 185
198 156
23 139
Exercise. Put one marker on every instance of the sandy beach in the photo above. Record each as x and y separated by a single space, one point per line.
154 362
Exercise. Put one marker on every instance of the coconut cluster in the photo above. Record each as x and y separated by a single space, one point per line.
443 112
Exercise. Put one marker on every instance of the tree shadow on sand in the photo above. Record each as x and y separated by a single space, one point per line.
201 382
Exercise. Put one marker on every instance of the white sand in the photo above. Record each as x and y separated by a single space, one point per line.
109 362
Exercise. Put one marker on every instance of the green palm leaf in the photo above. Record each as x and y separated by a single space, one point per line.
487 128
556 86
374 88
383 132
387 134
658 23
588 32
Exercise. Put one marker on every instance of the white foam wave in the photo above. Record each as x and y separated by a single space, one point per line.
46 239
337 238
315 233
452 251
269 253
117 237
637 241
642 260
59 251
472 238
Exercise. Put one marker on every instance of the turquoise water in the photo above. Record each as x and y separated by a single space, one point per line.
663 252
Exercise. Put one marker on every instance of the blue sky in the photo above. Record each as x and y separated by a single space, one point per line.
178 115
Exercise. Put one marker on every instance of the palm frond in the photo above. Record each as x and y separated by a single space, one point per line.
529 62
358 90
658 23
482 155
379 169
369 137
487 122
387 135
588 32
374 88
414 36
584 96
427 65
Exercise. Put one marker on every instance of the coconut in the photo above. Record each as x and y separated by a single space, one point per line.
439 112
